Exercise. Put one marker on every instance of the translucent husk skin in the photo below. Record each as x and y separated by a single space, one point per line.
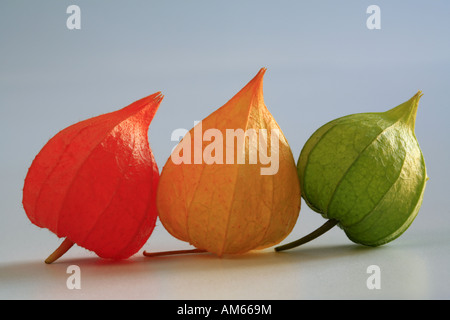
231 208
94 183
367 172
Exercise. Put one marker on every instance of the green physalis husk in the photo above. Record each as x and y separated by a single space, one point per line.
366 173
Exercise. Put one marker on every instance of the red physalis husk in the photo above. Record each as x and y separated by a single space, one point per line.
94 183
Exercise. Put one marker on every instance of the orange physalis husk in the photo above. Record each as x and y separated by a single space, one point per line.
231 185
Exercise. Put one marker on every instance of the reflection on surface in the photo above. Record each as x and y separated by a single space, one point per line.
310 272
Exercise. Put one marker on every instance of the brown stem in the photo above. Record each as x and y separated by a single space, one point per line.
63 248
168 253
313 235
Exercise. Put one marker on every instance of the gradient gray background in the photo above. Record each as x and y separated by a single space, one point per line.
322 63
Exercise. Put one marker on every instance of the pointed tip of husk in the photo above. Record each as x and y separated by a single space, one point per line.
157 96
257 80
252 91
153 98
262 71
406 112
413 106
419 94
148 106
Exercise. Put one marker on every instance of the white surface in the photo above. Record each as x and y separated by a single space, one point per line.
335 271
322 63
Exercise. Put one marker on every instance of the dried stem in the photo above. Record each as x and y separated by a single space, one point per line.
313 235
63 248
169 253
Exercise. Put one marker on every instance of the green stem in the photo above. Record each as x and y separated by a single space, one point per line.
316 233
169 253
63 248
